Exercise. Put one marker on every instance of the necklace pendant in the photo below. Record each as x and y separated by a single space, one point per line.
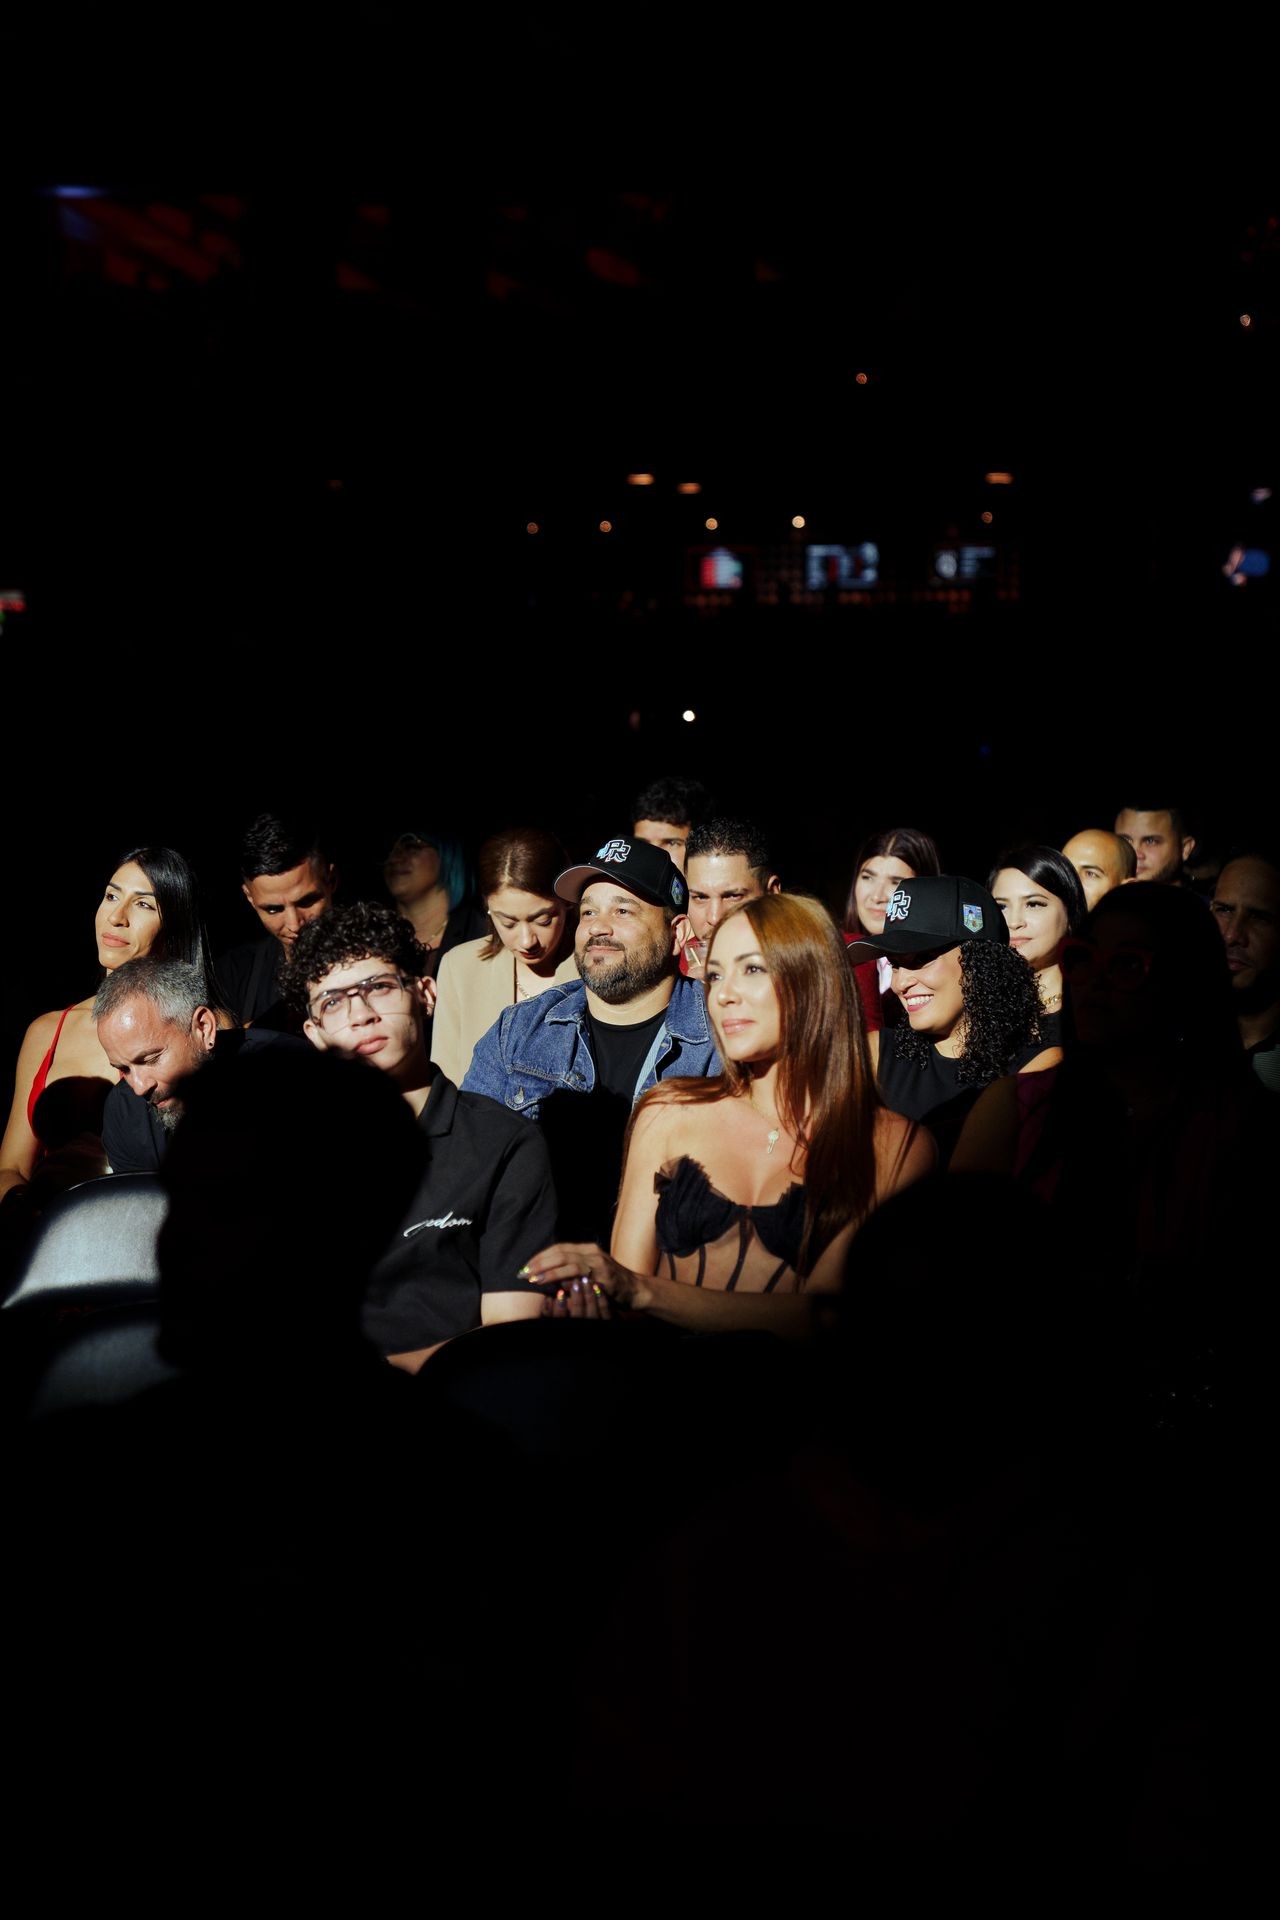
773 1139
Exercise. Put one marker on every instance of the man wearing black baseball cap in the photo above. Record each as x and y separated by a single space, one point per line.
630 1021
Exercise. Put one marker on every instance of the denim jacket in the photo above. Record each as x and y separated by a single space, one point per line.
539 1046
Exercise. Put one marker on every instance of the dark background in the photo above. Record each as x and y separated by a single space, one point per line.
269 457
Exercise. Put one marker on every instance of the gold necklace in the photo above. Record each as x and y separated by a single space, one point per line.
774 1132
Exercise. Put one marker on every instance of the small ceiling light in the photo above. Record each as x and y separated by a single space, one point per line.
986 519
688 486
711 525
639 479
606 526
797 519
1246 319
998 479
531 527
688 714
861 379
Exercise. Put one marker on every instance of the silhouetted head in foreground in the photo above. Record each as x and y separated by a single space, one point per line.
954 1338
286 1179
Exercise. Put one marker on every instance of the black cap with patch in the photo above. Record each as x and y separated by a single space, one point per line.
637 866
936 910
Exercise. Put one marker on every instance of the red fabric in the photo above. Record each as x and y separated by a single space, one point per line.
42 1074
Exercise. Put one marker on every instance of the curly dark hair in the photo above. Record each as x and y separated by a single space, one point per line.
1001 1014
365 931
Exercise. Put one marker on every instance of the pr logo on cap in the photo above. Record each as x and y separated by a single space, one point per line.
898 906
972 917
618 850
677 892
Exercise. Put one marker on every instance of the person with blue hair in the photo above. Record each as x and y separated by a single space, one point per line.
427 876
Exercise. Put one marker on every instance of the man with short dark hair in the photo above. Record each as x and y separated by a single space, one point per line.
577 1057
665 813
156 1027
728 863
486 1201
1160 840
289 881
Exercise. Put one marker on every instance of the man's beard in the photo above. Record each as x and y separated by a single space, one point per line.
169 1116
631 973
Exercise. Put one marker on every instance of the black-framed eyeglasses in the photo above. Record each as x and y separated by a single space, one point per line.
1125 967
381 993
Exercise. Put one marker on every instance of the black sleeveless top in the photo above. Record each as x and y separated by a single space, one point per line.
706 1239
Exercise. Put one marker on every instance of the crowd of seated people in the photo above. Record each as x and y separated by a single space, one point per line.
683 1207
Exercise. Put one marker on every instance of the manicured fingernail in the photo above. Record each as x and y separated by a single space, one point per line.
523 1273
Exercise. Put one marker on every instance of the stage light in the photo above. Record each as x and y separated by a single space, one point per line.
711 526
639 479
689 486
861 379
998 479
688 714
986 519
797 520
606 526
531 527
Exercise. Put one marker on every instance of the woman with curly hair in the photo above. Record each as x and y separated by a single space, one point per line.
972 1005
742 1192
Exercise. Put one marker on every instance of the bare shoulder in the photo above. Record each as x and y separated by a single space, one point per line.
657 1117
39 1035
1040 1062
988 1139
905 1151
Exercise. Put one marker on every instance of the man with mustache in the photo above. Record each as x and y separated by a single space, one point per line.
630 1021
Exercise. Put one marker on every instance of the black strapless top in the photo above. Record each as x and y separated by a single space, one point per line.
706 1239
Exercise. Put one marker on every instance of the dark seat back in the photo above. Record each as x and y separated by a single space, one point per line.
96 1243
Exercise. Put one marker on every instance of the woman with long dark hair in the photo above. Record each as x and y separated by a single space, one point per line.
741 1193
529 947
884 861
150 904
1039 893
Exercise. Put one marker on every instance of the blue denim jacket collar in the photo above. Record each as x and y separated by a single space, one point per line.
686 1010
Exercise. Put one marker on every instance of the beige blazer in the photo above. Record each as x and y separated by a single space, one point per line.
470 994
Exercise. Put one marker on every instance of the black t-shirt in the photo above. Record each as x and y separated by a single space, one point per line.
485 1205
248 978
134 1138
932 1090
585 1132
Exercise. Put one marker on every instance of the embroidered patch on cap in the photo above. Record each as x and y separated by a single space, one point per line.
972 917
898 906
615 850
677 892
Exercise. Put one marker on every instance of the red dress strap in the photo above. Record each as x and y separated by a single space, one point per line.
42 1074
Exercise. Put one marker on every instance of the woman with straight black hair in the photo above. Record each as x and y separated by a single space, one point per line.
150 905
1039 892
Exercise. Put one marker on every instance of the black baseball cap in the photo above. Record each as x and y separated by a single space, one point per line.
636 865
936 910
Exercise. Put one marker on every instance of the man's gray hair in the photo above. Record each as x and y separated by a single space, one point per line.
174 987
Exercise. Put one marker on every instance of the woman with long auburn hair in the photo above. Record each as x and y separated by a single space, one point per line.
741 1193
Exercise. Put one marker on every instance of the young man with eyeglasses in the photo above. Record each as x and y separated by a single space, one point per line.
486 1201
